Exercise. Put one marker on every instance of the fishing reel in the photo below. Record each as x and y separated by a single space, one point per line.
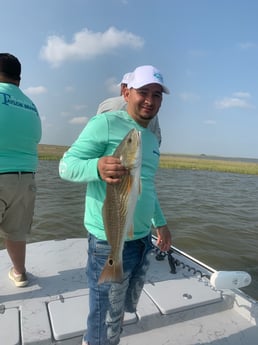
160 256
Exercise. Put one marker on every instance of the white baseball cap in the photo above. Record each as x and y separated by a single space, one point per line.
125 78
144 75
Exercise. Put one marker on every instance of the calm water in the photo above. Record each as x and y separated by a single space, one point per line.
213 216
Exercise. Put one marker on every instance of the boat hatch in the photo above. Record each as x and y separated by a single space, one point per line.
9 318
68 317
181 294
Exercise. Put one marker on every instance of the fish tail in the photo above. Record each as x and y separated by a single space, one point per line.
112 272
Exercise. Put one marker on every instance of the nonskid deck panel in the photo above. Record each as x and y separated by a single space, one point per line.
54 307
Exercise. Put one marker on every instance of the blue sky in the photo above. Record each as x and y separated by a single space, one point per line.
74 53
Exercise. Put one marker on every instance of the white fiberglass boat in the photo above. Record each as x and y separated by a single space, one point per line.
184 302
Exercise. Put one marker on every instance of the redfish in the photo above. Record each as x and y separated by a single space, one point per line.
119 205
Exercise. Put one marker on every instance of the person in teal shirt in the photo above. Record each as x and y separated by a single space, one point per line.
20 133
90 160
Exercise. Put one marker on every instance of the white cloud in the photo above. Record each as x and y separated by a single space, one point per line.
210 122
113 86
35 90
247 45
70 114
69 89
187 96
242 94
237 100
80 107
79 120
232 102
65 114
87 44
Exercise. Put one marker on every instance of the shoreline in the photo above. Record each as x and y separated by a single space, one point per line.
176 161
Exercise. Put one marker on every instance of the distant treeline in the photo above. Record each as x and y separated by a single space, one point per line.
174 161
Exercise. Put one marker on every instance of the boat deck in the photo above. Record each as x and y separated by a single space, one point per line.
178 309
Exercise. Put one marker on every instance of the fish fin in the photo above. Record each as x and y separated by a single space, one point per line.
105 211
129 183
131 231
140 188
112 272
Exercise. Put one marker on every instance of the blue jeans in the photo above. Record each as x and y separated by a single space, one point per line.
109 301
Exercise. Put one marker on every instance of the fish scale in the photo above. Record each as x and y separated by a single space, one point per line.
119 205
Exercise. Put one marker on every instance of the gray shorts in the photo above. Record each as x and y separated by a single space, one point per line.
17 201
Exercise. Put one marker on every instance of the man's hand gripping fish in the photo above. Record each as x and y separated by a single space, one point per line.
119 205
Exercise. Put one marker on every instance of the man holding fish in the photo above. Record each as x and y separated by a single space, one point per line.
118 156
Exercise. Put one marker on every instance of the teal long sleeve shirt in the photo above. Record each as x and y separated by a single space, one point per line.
100 138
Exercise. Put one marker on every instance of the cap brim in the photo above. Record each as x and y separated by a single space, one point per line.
165 89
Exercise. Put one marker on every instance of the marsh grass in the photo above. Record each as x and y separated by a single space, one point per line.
51 152
55 152
201 163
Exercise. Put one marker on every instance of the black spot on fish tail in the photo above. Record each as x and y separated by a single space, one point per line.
112 272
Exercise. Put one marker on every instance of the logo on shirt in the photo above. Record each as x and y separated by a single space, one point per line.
10 101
